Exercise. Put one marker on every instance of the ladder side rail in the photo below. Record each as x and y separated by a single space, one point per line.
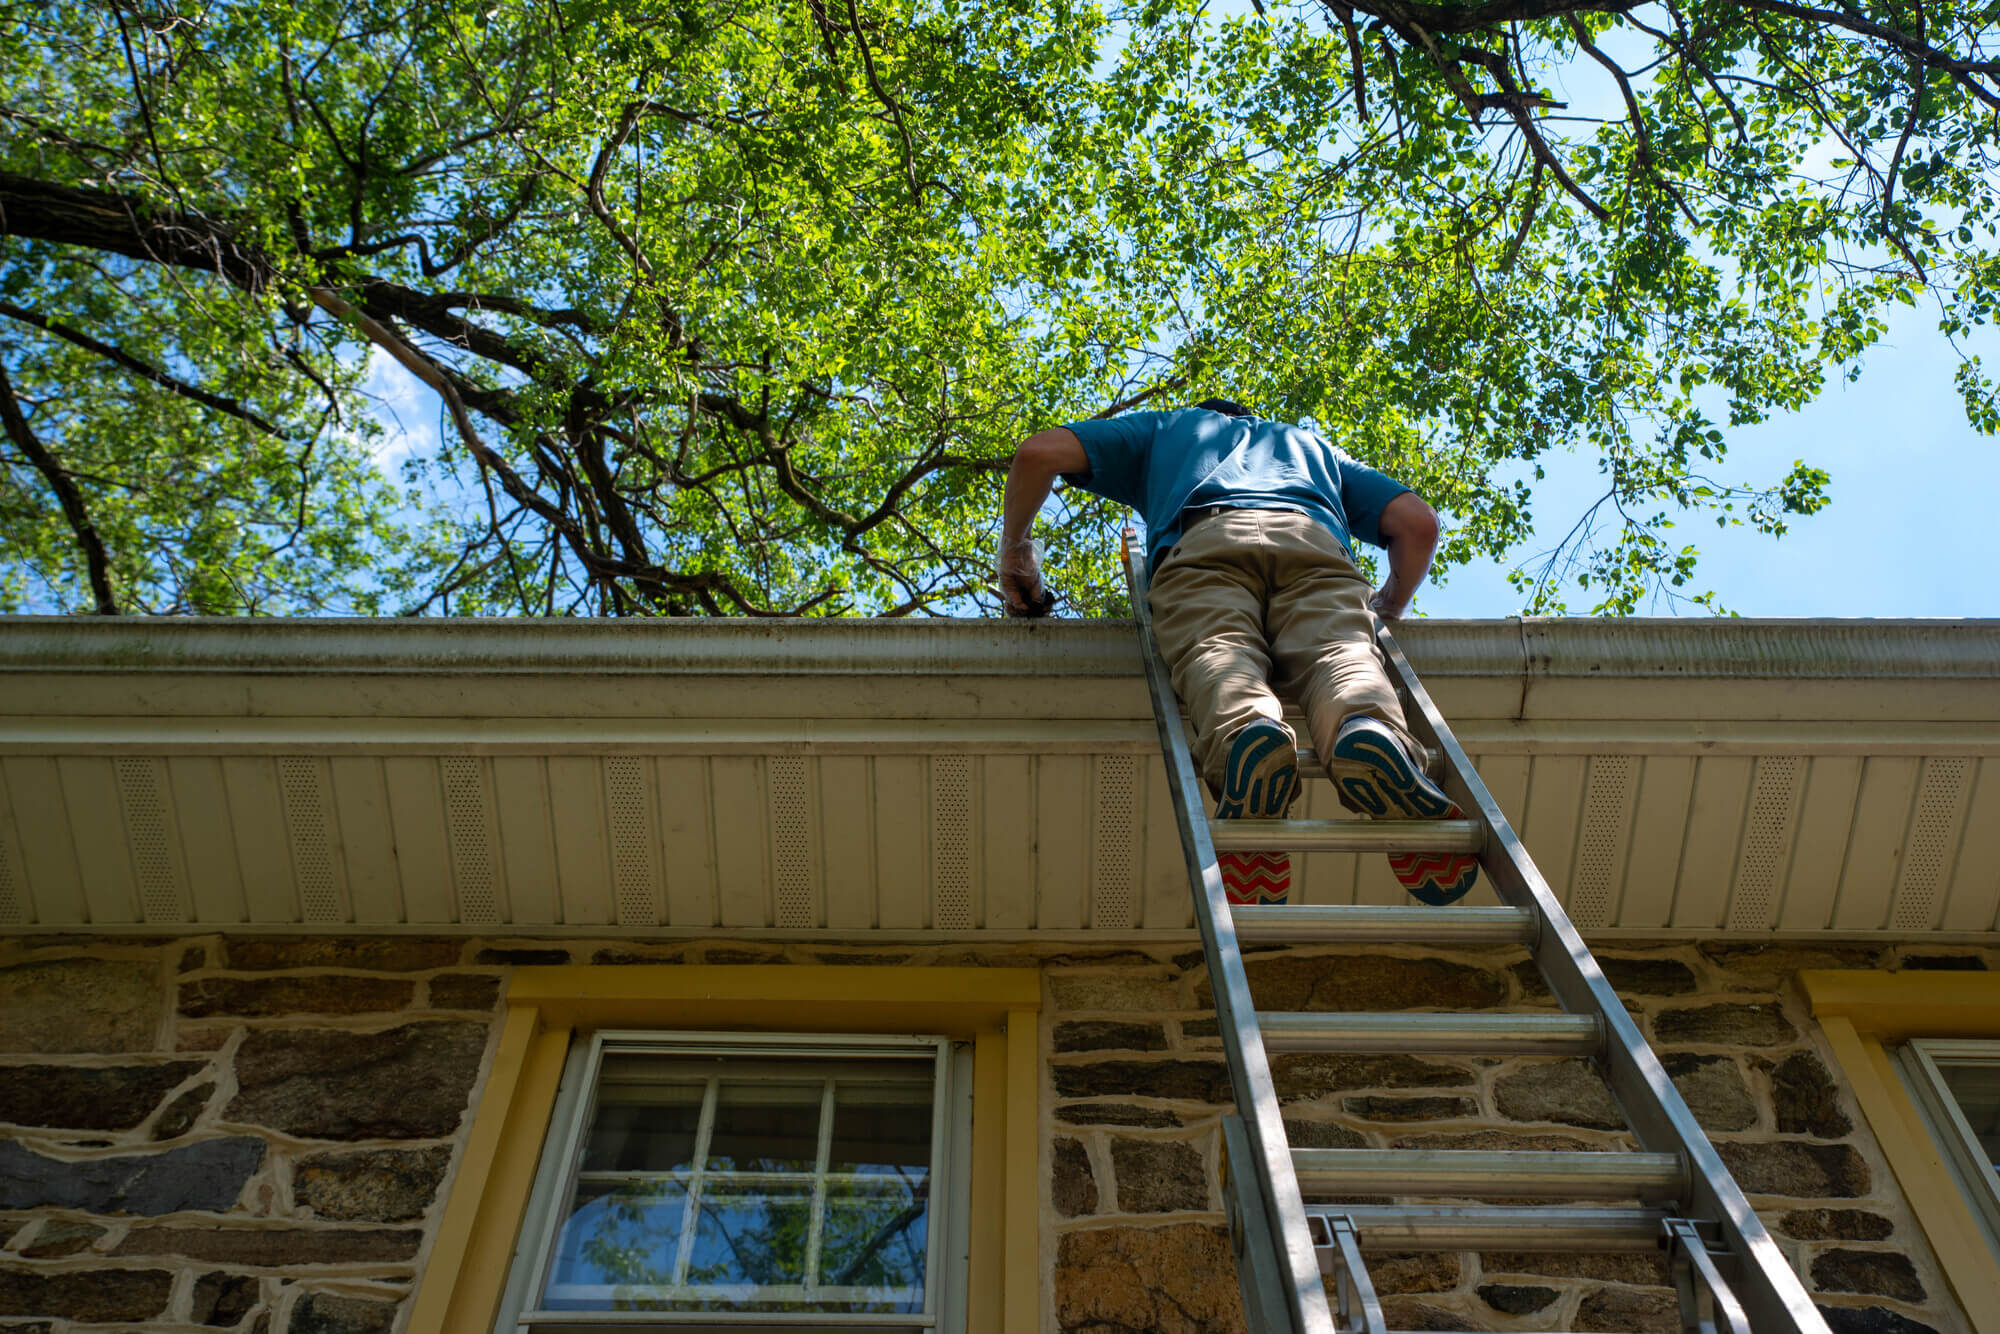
1270 1158
1771 1292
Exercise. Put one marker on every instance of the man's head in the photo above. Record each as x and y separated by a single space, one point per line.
1225 407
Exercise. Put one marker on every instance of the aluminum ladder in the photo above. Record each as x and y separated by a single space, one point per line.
1731 1277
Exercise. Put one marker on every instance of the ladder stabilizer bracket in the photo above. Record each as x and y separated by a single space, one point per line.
1707 1304
1356 1309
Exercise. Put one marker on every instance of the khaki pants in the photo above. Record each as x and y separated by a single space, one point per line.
1252 599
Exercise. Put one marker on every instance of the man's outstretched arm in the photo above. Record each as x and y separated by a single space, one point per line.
1410 531
1038 461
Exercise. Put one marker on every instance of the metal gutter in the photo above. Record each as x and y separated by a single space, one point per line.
1513 649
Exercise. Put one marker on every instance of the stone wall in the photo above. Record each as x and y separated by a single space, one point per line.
244 1134
1136 1086
259 1134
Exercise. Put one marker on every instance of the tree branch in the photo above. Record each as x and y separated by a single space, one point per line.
73 507
143 370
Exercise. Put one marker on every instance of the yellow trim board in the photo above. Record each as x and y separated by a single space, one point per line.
1858 1011
465 1276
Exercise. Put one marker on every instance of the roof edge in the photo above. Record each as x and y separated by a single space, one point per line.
1533 647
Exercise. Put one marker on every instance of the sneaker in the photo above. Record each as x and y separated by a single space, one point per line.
1375 776
1260 781
1261 776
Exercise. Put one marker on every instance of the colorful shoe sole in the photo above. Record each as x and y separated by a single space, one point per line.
1252 879
1261 776
1387 783
1437 878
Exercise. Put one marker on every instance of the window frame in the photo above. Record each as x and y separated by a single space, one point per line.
1863 1014
996 1009
1967 1162
944 1264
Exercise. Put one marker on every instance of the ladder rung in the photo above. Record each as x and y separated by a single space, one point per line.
1358 924
1347 835
1444 1227
1485 1173
1402 1031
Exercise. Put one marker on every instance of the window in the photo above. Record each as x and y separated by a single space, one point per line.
1871 1020
732 1181
984 1199
1956 1083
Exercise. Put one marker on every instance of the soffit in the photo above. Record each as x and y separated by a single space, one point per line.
981 777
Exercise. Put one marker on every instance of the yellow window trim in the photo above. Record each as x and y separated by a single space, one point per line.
996 1009
1861 1011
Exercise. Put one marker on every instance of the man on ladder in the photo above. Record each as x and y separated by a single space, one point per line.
1248 523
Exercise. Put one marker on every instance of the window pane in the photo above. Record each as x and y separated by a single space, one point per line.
646 1118
615 1236
881 1127
874 1239
769 1125
1975 1084
717 1181
754 1237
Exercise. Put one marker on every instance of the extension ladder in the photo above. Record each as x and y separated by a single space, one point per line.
1731 1277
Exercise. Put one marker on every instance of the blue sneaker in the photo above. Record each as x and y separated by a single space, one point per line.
1261 776
1376 777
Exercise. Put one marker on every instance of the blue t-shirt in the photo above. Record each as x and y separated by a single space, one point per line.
1161 463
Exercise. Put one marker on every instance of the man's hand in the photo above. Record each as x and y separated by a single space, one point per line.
1021 586
1387 610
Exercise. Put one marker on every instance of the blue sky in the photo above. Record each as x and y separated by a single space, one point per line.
1910 530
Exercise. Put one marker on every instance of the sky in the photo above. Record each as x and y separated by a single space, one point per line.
1910 529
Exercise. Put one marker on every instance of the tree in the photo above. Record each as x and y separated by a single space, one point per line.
739 308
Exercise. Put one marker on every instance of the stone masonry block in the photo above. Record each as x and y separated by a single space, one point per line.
1835 1225
1108 1035
410 1082
93 1296
1727 1023
1630 1311
1313 1075
1158 1176
1183 1081
58 1238
1787 1167
372 954
371 1185
325 993
274 1247
326 1313
71 1098
207 1176
1805 1098
1876 1273
1073 1190
98 1006
1714 1089
222 1300
464 991
1366 982
1168 1280
1570 1092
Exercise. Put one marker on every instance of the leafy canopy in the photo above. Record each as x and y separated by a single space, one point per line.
739 307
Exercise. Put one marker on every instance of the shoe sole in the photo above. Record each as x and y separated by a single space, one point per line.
1391 783
1252 879
1253 787
1439 879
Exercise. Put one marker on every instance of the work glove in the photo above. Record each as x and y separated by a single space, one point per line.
1022 591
